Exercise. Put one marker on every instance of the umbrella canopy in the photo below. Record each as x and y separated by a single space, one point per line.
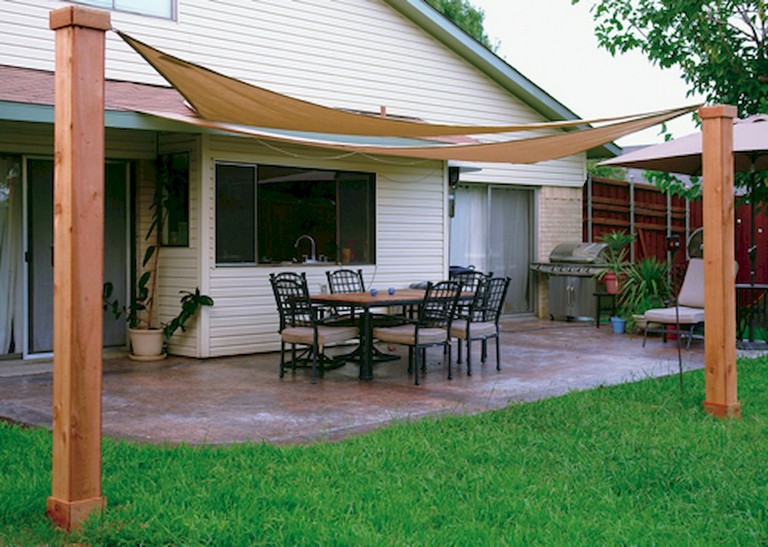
683 155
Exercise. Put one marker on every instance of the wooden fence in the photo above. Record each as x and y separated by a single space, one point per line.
642 209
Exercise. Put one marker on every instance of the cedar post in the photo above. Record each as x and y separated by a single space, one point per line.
78 237
719 258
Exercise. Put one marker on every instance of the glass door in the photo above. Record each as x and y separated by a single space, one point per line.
11 257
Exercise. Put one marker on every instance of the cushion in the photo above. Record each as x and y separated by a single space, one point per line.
325 335
688 316
477 330
405 335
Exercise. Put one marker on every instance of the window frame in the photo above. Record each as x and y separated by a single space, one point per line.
370 224
173 8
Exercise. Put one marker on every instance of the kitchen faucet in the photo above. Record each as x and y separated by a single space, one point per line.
312 247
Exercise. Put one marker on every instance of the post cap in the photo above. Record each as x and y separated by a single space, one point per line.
79 16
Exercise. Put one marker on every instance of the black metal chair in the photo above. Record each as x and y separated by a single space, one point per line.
430 328
481 320
470 279
301 324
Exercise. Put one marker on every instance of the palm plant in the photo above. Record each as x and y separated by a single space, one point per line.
645 285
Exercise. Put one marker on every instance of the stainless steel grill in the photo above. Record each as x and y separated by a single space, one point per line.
571 270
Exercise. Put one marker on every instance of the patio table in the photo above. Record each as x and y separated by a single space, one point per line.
365 301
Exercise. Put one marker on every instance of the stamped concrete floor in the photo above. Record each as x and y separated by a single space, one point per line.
236 399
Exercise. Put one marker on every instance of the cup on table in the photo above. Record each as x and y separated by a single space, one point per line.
374 292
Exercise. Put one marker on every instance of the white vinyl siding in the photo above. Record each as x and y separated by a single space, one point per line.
410 239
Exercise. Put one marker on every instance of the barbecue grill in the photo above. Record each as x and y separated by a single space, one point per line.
571 272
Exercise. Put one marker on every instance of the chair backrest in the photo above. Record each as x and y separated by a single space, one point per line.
345 281
495 293
470 279
692 290
292 297
439 304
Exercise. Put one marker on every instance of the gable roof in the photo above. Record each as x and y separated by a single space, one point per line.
502 73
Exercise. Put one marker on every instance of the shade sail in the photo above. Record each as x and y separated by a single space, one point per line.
683 155
530 150
220 98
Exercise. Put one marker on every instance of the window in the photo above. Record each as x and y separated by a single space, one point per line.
156 8
271 214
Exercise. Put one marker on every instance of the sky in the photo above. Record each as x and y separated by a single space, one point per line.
553 44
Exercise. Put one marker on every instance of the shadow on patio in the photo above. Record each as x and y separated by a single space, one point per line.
235 399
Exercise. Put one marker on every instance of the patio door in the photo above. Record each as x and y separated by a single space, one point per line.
40 250
492 230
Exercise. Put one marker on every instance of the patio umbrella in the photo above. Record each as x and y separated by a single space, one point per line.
683 155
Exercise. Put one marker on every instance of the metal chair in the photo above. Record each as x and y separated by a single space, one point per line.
430 328
481 320
300 324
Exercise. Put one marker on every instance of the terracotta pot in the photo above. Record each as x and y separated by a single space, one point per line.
146 344
611 282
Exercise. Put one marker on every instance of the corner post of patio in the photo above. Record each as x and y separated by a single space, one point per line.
78 221
719 256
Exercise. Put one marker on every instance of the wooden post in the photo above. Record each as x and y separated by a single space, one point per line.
78 235
719 259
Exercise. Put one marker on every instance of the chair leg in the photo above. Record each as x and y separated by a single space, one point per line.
449 350
423 359
645 334
469 356
484 354
458 354
410 359
416 365
282 359
498 353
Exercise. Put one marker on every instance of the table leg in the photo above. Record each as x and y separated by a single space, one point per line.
366 335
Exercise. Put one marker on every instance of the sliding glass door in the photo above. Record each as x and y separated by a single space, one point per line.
492 230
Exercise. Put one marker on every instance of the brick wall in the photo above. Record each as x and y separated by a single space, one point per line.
559 220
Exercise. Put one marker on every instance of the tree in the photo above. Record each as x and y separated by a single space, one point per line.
467 17
720 45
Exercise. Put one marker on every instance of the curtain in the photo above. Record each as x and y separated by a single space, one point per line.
510 244
469 228
10 255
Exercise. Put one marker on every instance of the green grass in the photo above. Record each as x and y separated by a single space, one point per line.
631 464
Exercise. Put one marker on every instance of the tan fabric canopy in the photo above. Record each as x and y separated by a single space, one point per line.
220 98
530 150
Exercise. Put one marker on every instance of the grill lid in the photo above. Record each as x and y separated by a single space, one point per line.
584 253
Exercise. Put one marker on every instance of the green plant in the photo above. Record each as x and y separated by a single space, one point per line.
618 242
645 285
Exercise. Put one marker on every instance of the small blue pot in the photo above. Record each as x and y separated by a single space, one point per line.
619 325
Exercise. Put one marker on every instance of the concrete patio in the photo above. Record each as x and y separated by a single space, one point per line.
236 399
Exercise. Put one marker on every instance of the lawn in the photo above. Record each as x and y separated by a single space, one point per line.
630 464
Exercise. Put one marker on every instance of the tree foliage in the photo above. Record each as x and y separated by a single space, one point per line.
720 45
467 17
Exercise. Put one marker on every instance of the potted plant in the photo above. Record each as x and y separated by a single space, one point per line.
146 339
618 243
645 286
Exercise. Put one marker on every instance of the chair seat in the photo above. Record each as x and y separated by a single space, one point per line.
325 335
406 335
687 316
477 330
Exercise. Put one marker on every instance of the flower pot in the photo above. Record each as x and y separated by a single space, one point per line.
619 325
611 282
146 344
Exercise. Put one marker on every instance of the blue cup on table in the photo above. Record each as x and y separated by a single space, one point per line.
391 290
374 292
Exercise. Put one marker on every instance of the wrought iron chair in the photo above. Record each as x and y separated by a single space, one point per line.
300 324
470 279
481 320
430 328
